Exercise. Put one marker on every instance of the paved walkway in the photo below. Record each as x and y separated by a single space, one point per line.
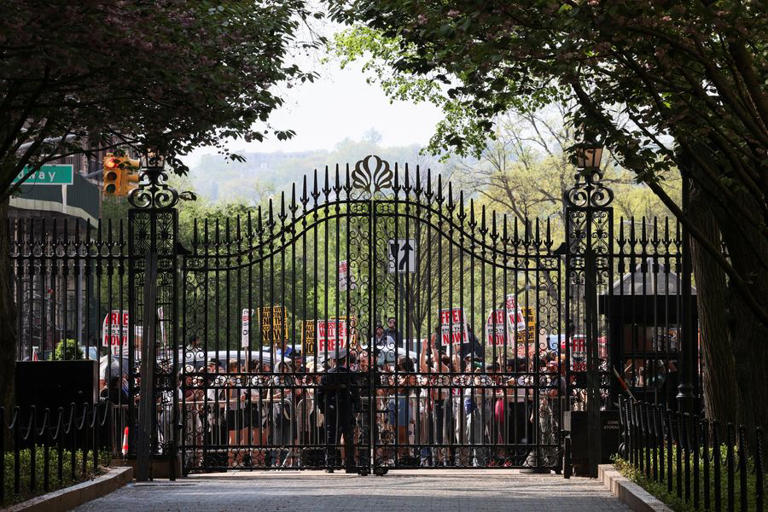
423 491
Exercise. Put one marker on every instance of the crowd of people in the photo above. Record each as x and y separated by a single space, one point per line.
440 407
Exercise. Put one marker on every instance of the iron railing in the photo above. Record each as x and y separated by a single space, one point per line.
43 450
701 463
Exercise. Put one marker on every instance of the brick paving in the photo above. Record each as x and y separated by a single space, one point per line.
423 491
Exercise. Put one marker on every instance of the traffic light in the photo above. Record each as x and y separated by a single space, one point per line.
121 175
111 175
130 179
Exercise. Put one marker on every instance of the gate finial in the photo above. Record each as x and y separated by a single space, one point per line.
369 179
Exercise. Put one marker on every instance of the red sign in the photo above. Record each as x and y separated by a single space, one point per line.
331 335
495 329
114 331
453 327
515 314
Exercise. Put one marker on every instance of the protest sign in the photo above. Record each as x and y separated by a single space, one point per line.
331 335
273 325
453 327
114 331
515 315
495 329
309 337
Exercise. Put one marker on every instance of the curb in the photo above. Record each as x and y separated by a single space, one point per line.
75 495
628 492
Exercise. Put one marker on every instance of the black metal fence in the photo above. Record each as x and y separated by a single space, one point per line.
694 460
43 450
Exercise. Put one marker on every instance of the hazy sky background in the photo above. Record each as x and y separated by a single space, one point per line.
338 105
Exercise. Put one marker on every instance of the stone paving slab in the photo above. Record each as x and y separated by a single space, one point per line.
422 491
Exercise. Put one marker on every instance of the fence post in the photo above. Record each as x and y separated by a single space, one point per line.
153 248
589 235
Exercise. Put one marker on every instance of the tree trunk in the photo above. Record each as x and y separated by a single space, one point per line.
8 334
749 336
721 395
734 340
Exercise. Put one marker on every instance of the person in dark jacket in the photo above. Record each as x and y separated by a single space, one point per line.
338 398
114 392
392 332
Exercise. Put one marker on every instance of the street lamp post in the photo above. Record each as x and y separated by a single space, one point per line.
588 157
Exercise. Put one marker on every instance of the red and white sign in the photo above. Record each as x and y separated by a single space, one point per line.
453 327
114 331
332 335
578 352
495 329
515 314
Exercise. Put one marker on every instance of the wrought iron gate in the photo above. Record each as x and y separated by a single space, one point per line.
498 325
271 299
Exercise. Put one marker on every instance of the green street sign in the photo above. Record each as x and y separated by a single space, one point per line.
56 174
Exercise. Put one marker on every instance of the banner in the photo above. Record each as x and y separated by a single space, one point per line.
453 327
331 335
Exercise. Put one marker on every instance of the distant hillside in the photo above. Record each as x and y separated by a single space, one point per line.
264 174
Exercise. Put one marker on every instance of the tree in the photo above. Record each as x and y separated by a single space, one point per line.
167 76
688 76
67 350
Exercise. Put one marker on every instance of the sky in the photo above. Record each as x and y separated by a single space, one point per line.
339 105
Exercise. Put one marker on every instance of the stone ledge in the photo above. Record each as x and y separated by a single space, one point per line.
628 492
75 495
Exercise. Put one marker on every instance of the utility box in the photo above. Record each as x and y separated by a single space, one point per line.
55 384
575 422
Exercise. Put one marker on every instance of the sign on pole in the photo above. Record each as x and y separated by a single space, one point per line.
402 255
453 327
56 174
245 327
308 337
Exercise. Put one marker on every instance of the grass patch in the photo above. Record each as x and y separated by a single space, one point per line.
27 490
679 503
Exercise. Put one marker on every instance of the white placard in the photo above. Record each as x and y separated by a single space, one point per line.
245 326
